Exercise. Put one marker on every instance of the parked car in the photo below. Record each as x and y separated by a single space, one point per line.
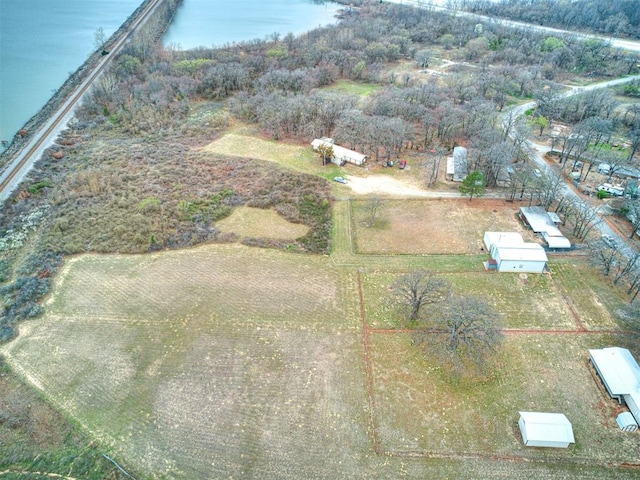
402 164
340 179
609 241
537 173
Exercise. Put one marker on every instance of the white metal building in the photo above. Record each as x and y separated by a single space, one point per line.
457 167
545 429
340 154
546 224
521 258
501 238
620 374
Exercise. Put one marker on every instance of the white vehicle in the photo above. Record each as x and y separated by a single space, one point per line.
537 173
609 241
611 189
604 168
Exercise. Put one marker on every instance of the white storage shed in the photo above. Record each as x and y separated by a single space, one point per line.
545 429
340 154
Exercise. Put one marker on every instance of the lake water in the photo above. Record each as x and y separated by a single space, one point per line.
43 41
216 22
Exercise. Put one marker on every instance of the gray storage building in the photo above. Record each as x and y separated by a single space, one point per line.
540 429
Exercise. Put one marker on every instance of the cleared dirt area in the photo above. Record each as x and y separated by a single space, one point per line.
454 226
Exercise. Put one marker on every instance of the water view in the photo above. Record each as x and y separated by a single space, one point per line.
217 22
41 43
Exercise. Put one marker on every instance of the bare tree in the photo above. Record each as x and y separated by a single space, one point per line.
604 256
373 207
463 328
419 288
549 189
432 163
632 212
627 266
583 217
100 39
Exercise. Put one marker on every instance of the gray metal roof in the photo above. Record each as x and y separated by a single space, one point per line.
539 220
618 369
550 427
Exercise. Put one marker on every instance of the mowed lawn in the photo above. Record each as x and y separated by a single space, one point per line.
215 362
573 295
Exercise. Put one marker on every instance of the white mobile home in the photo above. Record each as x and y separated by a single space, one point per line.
457 167
545 429
340 154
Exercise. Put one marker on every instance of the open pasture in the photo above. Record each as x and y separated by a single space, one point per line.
419 409
438 226
300 158
214 362
524 301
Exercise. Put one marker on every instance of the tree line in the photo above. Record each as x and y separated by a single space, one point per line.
617 18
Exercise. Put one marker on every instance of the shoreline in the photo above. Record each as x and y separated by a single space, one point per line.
31 126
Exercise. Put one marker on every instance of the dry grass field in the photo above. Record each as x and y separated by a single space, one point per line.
214 362
433 226
226 361
419 408
260 223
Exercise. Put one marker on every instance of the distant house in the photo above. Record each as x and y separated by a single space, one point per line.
509 253
545 429
340 154
457 168
620 374
546 224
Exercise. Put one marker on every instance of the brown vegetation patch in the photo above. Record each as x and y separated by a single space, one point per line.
454 226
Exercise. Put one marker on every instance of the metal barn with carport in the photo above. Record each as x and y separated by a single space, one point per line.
546 224
620 375
541 429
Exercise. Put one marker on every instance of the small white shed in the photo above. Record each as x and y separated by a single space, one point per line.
540 429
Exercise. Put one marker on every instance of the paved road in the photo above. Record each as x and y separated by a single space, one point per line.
537 151
438 5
